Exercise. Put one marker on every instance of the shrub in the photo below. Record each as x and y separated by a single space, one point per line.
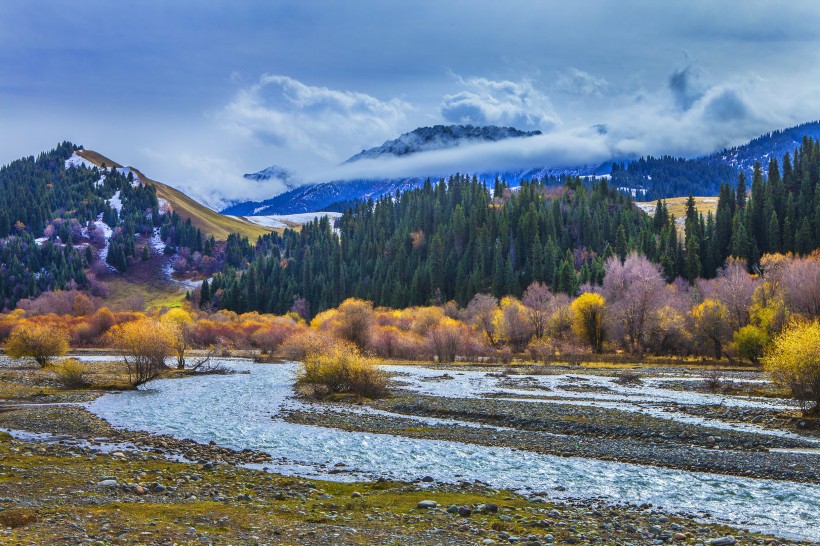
794 361
341 370
306 342
40 342
749 342
71 374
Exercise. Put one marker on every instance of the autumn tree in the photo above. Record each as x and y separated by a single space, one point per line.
711 325
634 291
794 361
355 319
512 323
588 319
41 342
480 313
178 323
537 299
143 344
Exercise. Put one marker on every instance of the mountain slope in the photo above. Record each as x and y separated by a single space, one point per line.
209 221
440 137
649 178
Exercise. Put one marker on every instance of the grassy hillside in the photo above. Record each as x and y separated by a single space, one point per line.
677 207
209 221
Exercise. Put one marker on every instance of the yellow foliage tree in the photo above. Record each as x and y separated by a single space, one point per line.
710 320
588 319
179 323
40 342
143 345
793 360
512 323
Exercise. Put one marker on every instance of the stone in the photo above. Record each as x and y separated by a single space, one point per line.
425 504
108 483
464 512
427 479
140 490
723 541
356 495
679 536
452 509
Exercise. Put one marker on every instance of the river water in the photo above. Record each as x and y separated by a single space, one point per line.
242 411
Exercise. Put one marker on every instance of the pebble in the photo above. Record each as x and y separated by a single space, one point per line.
427 504
723 541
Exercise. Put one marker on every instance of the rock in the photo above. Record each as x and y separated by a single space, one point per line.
356 495
723 541
427 479
452 509
491 508
108 483
464 512
679 536
758 419
425 504
158 488
140 490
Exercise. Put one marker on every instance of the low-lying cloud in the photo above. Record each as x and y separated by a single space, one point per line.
505 103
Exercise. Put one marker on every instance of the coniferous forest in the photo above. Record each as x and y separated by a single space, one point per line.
454 239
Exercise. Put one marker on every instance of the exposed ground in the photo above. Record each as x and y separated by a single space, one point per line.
93 484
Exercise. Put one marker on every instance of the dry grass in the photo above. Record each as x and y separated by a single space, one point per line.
677 206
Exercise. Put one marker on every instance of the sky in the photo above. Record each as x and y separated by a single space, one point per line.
196 93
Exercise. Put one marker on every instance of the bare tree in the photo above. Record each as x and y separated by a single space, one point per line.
537 299
734 288
480 312
634 292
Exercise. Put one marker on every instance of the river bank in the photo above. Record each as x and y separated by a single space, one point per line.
89 482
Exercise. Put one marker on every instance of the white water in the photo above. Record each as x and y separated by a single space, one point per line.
240 411
650 398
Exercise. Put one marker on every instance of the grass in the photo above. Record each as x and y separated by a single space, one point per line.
209 221
677 206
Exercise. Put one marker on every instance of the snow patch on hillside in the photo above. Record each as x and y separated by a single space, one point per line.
77 161
116 202
288 220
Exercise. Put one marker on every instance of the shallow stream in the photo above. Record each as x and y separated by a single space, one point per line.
242 411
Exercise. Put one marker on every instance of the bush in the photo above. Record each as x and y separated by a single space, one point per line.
143 344
794 362
588 319
299 346
749 342
40 342
341 370
71 374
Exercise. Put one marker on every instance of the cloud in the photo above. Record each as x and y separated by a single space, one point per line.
490 102
557 149
283 112
687 85
579 82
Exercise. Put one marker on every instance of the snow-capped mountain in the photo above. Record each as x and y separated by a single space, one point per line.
440 137
334 195
771 145
699 176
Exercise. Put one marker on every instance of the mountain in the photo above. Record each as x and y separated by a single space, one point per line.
647 178
209 221
771 145
336 195
653 178
440 137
